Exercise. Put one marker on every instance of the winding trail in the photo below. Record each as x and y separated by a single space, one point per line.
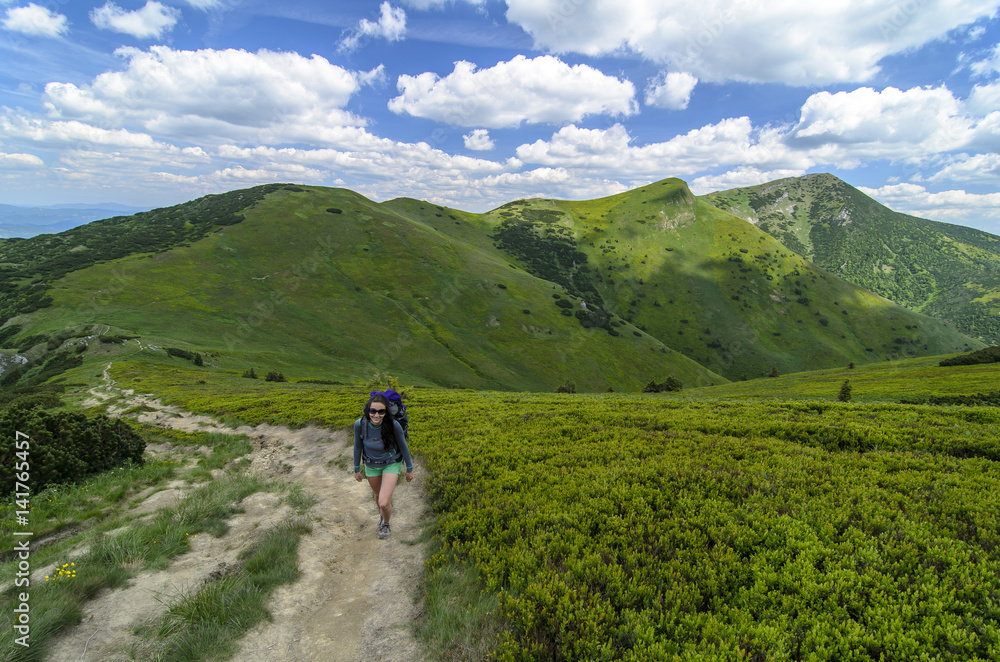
355 598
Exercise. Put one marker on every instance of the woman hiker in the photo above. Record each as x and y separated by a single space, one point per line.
383 445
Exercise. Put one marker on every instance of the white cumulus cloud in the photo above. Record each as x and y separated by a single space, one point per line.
212 94
19 161
479 140
391 26
35 21
957 206
738 178
978 168
670 90
152 21
887 124
984 99
717 40
989 66
73 134
387 168
731 142
538 90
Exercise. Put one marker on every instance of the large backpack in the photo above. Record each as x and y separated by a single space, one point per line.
397 409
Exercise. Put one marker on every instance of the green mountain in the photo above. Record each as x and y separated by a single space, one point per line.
323 283
945 271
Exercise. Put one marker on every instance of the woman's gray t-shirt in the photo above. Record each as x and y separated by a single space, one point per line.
368 443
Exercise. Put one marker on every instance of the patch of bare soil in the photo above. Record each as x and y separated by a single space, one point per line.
355 597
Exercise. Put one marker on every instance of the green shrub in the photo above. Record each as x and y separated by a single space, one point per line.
27 343
56 365
985 355
274 376
670 384
63 447
115 339
615 530
193 357
991 399
8 332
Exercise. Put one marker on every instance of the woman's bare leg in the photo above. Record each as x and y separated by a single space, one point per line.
388 484
376 483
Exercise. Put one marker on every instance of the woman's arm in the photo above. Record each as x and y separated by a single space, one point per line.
358 445
403 448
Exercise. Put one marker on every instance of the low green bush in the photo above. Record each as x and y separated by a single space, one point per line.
63 447
985 355
670 384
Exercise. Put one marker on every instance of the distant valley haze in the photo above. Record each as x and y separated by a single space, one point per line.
20 221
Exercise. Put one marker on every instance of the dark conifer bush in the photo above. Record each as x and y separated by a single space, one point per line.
985 355
64 447
670 384
845 391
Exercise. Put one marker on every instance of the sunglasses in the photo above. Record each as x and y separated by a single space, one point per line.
377 412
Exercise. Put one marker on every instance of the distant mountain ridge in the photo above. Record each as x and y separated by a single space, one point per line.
20 221
599 294
950 272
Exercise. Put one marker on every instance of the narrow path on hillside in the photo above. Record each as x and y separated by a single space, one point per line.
355 598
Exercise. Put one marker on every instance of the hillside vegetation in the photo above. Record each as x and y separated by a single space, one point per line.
324 283
639 527
946 271
315 282
29 266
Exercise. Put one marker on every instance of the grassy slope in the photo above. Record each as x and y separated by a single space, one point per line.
674 266
342 295
946 271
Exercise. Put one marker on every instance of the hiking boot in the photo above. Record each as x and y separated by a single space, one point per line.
383 530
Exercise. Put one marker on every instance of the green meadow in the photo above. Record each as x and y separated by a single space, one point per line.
760 520
876 382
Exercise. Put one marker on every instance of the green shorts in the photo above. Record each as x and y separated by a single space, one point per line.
394 468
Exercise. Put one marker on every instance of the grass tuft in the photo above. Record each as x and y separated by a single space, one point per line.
205 624
461 620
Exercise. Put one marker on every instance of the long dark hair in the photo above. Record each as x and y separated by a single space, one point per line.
388 422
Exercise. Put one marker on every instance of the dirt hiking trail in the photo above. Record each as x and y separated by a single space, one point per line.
354 600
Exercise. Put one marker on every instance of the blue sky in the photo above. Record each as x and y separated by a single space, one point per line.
475 103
